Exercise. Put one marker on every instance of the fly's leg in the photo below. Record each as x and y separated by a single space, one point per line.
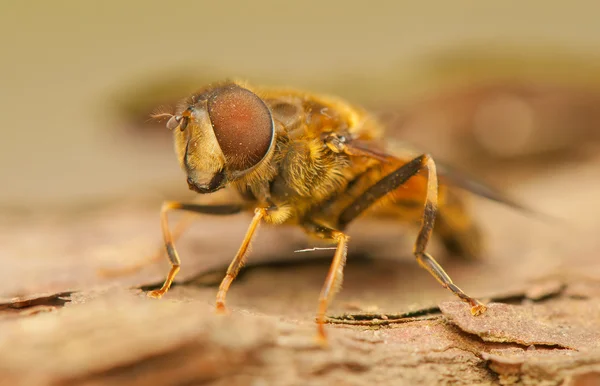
239 259
424 259
168 238
391 182
333 281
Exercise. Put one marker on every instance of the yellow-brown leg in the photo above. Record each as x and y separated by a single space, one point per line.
168 239
333 282
239 259
424 259
388 184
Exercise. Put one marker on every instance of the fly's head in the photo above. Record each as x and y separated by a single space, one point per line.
221 135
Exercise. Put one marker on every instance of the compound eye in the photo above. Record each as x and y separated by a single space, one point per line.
242 124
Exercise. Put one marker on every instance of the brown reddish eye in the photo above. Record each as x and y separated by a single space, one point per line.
242 124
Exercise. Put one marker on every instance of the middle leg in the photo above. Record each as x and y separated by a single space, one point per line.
335 275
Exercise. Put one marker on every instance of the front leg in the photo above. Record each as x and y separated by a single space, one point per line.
168 239
239 259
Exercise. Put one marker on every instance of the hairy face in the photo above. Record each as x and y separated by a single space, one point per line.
221 134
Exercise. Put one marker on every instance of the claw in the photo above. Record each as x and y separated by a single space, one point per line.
321 337
156 294
221 309
478 309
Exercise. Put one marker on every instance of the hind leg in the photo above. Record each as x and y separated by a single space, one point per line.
390 183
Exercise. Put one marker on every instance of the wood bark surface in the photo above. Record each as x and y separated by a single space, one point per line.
64 323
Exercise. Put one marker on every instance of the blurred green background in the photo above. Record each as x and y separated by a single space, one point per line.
77 78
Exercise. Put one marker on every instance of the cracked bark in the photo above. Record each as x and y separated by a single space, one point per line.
63 324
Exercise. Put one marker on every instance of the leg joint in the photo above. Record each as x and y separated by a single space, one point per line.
170 205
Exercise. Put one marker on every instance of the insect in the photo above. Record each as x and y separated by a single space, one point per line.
319 163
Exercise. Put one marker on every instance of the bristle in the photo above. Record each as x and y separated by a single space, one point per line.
162 112
315 249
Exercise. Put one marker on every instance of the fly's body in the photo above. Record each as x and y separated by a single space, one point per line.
318 163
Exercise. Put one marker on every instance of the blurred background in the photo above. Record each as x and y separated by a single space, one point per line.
506 91
495 88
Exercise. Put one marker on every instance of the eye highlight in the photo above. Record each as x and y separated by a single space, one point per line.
242 124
